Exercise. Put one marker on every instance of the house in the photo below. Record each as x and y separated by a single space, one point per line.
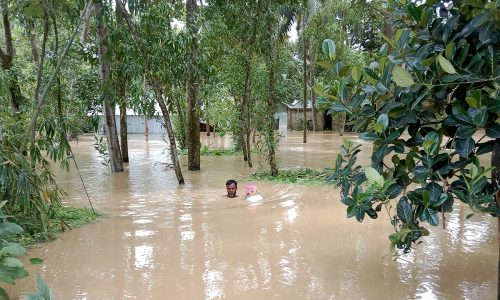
295 116
135 122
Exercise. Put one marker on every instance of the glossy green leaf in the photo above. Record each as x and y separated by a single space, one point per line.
431 142
383 120
13 249
450 50
356 73
8 228
464 147
373 176
329 48
446 65
10 262
493 131
404 210
401 77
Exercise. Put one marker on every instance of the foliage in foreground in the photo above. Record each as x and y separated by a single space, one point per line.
60 220
299 176
42 291
437 80
11 267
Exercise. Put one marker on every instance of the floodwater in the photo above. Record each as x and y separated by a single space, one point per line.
164 241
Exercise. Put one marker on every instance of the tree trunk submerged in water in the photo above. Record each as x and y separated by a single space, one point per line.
270 141
194 143
304 77
245 105
123 131
495 163
158 93
111 132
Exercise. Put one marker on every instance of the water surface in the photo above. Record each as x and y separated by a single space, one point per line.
164 241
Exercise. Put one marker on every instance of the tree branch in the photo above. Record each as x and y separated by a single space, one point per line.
32 125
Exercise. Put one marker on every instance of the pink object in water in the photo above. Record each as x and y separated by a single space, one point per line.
250 189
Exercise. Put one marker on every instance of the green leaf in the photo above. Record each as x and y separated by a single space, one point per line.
383 120
9 275
481 117
368 136
356 73
404 210
472 102
11 262
383 49
3 294
431 142
33 9
36 261
326 64
446 65
493 131
373 176
401 77
13 249
450 50
329 48
494 106
430 216
8 228
464 147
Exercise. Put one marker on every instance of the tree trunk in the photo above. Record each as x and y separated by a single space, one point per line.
313 95
85 30
123 129
245 111
158 94
208 127
104 70
7 58
192 90
241 133
170 131
146 128
34 48
270 141
120 82
495 163
182 122
342 124
304 76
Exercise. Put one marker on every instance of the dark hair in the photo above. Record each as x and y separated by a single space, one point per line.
231 181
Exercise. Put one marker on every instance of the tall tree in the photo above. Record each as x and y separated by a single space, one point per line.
120 85
104 71
158 91
7 58
194 143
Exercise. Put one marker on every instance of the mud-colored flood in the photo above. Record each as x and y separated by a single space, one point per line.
164 241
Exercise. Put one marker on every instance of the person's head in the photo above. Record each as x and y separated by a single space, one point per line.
231 187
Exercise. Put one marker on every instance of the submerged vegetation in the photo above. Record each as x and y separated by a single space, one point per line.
60 219
298 176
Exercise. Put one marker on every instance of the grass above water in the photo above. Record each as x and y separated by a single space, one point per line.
298 176
61 219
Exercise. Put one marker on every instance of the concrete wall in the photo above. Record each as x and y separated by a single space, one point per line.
294 115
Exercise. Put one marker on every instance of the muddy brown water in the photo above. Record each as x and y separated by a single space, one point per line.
164 241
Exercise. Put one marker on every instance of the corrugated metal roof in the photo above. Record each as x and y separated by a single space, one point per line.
298 104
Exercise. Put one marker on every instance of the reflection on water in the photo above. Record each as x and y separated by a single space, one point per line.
164 241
